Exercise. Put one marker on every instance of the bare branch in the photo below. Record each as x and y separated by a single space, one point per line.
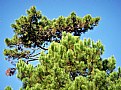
43 48
34 55
31 59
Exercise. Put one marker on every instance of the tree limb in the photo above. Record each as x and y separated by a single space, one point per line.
35 55
43 48
31 59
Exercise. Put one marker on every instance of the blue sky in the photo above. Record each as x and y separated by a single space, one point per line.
108 30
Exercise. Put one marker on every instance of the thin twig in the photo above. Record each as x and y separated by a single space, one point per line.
43 48
34 55
31 60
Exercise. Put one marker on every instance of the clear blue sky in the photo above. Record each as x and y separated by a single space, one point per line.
108 31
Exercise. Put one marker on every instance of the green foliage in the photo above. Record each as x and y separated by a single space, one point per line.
56 66
35 31
8 88
68 63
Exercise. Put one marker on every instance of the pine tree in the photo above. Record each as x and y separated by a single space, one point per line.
65 61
